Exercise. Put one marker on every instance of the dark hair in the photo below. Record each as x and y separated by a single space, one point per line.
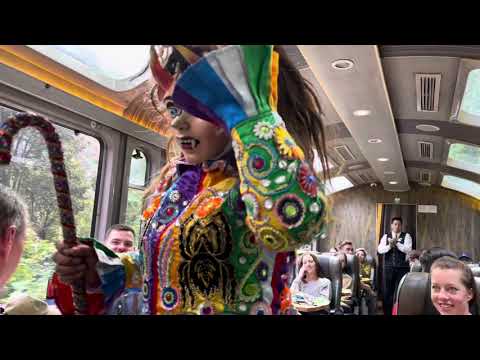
397 218
468 280
12 211
318 269
298 105
414 254
119 227
300 108
429 256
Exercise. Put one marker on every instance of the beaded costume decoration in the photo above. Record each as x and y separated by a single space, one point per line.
217 235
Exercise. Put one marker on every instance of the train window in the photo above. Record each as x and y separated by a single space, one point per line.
117 67
317 165
470 108
338 183
463 185
29 175
136 186
463 156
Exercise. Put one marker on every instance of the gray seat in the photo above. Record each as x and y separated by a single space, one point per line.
413 295
373 263
475 269
353 269
331 269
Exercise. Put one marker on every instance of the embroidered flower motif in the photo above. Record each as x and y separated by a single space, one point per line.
208 206
287 145
263 130
148 213
169 298
308 181
290 210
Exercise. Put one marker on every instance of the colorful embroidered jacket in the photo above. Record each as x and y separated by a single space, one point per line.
217 234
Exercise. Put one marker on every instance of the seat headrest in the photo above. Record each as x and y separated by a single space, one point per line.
416 267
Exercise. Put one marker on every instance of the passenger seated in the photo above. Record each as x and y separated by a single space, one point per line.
347 283
13 226
366 281
310 282
414 260
345 247
453 288
429 256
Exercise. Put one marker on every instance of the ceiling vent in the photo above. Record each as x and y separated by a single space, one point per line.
364 178
428 92
344 152
425 177
425 150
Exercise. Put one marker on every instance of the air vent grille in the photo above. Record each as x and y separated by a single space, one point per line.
424 177
425 150
344 152
428 92
365 178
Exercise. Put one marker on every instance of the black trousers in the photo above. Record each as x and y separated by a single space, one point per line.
391 279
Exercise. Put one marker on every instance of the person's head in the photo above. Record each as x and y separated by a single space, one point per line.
342 257
361 253
413 256
452 286
429 256
311 265
346 247
120 238
298 105
13 227
396 224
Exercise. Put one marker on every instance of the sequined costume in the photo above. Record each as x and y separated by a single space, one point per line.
217 232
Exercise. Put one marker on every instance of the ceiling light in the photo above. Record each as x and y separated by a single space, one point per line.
389 172
428 128
342 64
382 159
374 141
393 182
362 112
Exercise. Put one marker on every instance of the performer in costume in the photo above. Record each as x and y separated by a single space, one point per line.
223 216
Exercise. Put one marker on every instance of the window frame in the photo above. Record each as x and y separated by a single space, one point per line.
116 85
449 142
443 174
464 69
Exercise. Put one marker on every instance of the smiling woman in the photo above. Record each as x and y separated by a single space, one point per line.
453 288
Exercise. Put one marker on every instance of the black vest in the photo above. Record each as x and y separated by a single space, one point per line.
394 257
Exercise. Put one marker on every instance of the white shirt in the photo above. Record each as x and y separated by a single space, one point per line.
384 246
316 288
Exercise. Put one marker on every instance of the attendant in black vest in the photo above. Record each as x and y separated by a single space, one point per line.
394 246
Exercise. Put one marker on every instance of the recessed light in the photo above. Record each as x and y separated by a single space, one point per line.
362 112
389 172
374 141
342 64
428 128
383 159
393 182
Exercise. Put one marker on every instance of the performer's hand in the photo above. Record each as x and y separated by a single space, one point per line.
76 263
392 242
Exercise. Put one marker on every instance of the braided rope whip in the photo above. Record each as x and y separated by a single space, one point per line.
8 130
